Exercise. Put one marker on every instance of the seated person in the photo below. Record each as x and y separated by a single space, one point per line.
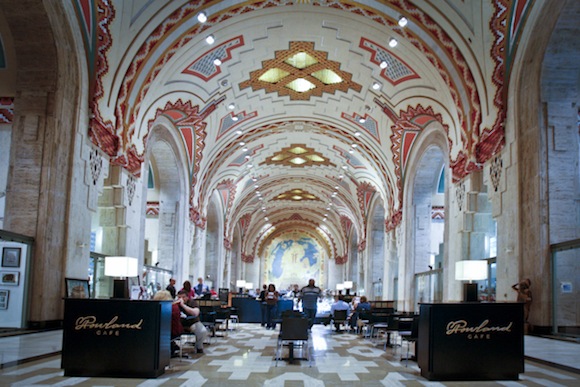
362 306
340 304
176 327
192 322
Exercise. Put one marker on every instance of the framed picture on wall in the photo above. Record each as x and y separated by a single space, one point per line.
11 257
77 288
4 294
9 278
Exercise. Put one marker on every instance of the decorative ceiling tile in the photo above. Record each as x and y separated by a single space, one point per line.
296 156
301 72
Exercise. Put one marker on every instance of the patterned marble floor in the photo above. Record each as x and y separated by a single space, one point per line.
246 358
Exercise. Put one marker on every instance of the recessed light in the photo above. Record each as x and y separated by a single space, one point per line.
238 131
403 21
210 39
232 106
235 118
244 149
354 145
351 151
247 157
383 65
393 42
250 165
344 167
362 120
242 143
357 133
202 17
376 85
217 62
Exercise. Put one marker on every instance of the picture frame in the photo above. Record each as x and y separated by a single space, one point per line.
77 288
11 256
9 278
4 297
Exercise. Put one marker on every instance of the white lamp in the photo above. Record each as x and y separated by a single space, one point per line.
470 270
339 288
241 284
121 267
347 286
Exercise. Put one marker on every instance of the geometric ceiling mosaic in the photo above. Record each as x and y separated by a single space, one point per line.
297 195
297 156
300 72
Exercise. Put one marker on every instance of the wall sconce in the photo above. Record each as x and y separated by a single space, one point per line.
241 284
347 285
122 267
470 270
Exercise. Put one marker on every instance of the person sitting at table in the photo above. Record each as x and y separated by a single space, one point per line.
176 327
340 304
362 306
192 322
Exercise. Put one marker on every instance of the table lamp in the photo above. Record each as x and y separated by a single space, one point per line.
470 270
241 284
121 267
347 286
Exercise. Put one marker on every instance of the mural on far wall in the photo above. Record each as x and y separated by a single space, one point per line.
293 260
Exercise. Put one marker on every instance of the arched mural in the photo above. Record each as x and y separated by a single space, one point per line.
294 259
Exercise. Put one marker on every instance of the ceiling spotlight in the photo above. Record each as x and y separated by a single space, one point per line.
244 149
327 208
202 17
383 65
357 133
344 167
393 42
250 165
210 39
256 186
341 176
324 220
232 106
354 145
242 143
238 131
254 179
351 151
336 187
217 62
266 218
247 157
403 21
235 118
376 85
361 120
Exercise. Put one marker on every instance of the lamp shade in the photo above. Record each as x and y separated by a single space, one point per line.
249 285
240 283
471 270
121 266
339 286
347 284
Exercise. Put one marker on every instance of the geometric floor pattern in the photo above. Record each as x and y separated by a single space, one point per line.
245 357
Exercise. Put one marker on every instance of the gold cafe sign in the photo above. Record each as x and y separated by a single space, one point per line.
477 332
109 328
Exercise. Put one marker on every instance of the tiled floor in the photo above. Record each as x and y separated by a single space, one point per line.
246 358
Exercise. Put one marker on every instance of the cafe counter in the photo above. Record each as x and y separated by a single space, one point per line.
116 338
471 341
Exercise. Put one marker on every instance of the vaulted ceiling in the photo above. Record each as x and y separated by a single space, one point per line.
299 113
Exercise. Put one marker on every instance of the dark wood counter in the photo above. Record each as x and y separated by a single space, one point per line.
116 338
471 341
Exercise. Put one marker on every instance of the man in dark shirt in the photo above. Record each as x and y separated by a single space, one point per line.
171 287
309 296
